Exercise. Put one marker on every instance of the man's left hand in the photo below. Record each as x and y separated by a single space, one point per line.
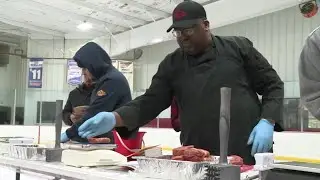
261 137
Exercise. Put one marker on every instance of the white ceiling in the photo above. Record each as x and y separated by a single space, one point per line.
42 18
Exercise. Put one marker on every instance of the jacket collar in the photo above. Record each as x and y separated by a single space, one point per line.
209 54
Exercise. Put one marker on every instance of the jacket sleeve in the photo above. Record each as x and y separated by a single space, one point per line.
111 93
309 74
67 111
114 92
147 106
265 81
175 115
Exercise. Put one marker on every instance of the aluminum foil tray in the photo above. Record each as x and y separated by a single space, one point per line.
163 167
6 139
27 152
4 148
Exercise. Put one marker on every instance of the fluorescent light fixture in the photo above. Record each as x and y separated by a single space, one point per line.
85 26
157 40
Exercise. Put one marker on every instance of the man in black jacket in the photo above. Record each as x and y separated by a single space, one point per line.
111 88
194 74
78 100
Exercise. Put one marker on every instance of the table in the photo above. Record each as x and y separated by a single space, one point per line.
294 171
60 171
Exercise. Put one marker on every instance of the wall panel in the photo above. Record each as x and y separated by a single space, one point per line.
279 37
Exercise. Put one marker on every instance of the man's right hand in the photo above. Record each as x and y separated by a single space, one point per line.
101 123
80 110
77 113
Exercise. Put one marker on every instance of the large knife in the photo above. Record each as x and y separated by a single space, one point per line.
224 124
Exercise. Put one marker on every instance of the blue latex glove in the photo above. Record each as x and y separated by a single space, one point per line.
101 123
64 137
261 137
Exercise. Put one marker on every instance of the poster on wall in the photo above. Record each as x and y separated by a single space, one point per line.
115 64
74 73
126 67
35 73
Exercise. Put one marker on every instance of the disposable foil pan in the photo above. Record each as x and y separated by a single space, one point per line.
27 152
163 167
4 148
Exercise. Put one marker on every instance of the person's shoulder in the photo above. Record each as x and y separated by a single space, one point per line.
115 74
314 36
74 93
239 41
177 53
116 77
172 58
75 90
315 32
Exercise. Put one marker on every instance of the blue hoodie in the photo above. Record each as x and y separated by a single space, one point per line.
111 89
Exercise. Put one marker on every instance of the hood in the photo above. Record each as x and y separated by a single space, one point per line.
92 57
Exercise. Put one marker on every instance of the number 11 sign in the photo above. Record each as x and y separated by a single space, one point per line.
35 73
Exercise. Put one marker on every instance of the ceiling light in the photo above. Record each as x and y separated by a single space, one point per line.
85 26
157 40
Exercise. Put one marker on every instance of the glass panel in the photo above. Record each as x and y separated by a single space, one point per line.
297 118
7 104
291 119
312 124
41 105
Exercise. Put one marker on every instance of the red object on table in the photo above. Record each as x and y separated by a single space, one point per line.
128 146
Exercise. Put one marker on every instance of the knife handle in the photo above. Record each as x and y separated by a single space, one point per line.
224 124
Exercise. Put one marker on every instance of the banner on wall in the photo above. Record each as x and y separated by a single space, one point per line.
125 66
74 73
35 73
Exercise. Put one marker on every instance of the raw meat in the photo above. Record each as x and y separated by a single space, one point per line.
180 150
193 159
177 158
236 160
99 140
245 168
208 158
195 155
189 153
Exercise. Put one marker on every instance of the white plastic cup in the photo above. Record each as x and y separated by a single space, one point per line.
263 160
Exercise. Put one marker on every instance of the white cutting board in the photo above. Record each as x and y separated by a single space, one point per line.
78 158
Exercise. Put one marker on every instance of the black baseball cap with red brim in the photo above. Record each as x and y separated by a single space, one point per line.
187 14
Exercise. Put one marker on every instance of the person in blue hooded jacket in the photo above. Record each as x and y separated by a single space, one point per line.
111 88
